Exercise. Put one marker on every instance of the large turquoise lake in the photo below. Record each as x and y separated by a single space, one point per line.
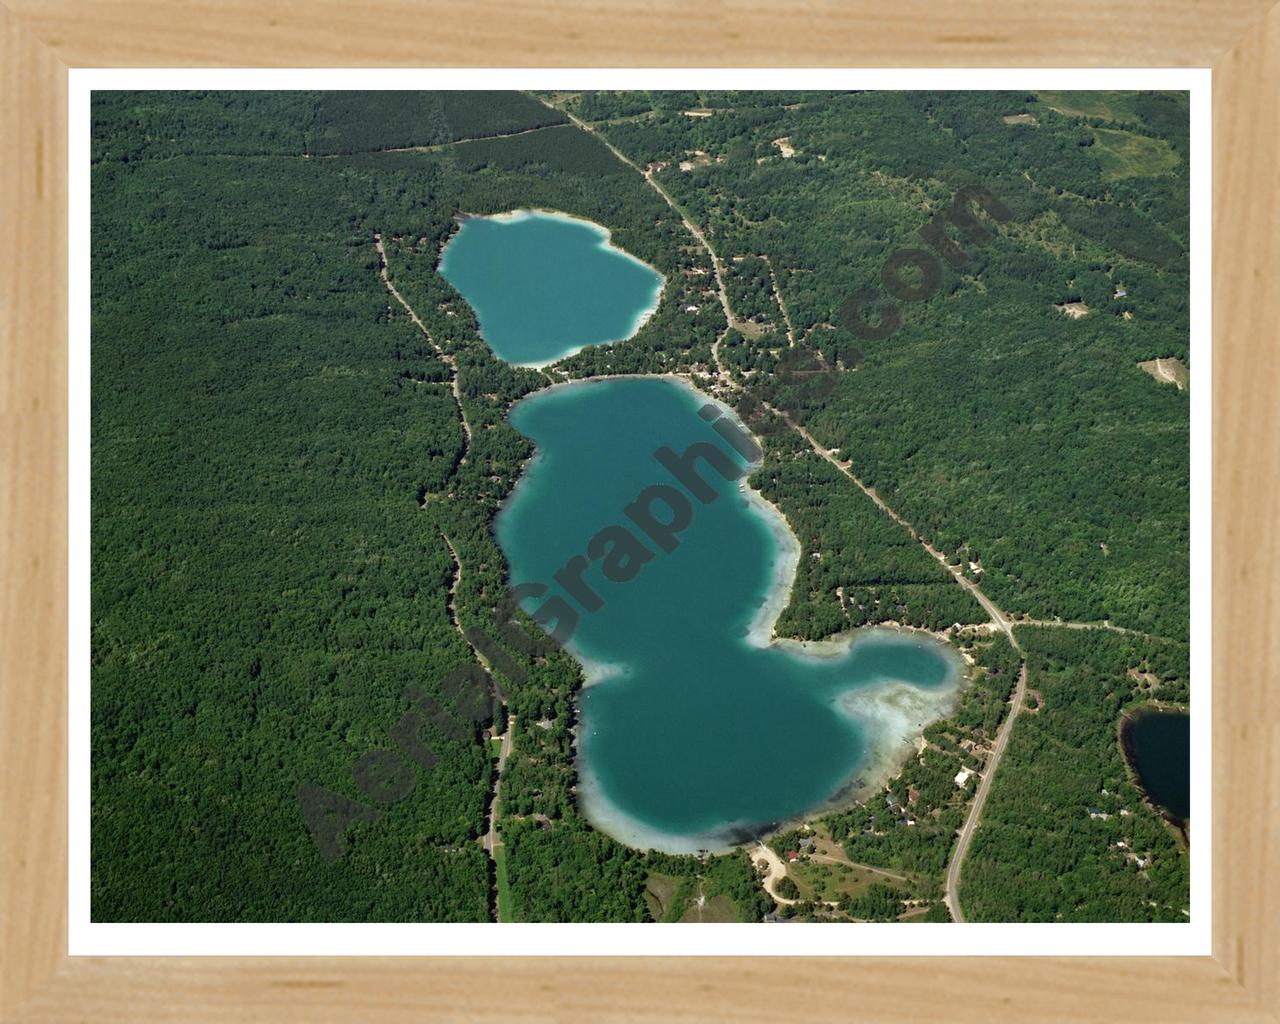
694 731
544 286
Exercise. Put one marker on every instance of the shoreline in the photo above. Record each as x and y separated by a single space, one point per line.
1180 826
787 559
890 714
461 217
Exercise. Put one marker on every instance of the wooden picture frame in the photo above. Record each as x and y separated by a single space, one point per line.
41 39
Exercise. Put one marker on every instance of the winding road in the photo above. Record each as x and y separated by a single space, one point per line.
776 868
998 617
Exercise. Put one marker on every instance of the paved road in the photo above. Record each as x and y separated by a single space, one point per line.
491 839
776 868
980 798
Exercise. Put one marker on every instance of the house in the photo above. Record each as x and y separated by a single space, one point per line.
806 842
962 776
691 308
792 856
913 795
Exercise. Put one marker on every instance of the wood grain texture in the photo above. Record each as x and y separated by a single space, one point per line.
33 512
39 38
657 33
652 991
1246 552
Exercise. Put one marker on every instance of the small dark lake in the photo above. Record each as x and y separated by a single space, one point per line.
1158 745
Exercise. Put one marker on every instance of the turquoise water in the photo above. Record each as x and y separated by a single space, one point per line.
544 286
693 733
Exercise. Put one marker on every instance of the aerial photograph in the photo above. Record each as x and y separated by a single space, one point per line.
640 506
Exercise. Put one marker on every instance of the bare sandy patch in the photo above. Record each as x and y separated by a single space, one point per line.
696 158
1075 310
785 147
1168 371
697 113
1019 119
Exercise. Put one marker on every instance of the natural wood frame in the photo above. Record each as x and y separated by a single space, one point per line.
40 39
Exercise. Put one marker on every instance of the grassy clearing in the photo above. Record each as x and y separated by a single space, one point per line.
674 899
504 890
659 894
1125 155
822 880
1103 105
717 910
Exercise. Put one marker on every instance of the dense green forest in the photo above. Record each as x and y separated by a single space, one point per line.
277 463
856 565
288 718
1087 847
988 418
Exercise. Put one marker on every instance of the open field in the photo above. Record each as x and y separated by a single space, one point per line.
830 879
1126 155
1102 105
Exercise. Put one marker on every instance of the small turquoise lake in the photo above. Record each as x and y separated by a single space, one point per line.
544 286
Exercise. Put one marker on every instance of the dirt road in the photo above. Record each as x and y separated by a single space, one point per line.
445 358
